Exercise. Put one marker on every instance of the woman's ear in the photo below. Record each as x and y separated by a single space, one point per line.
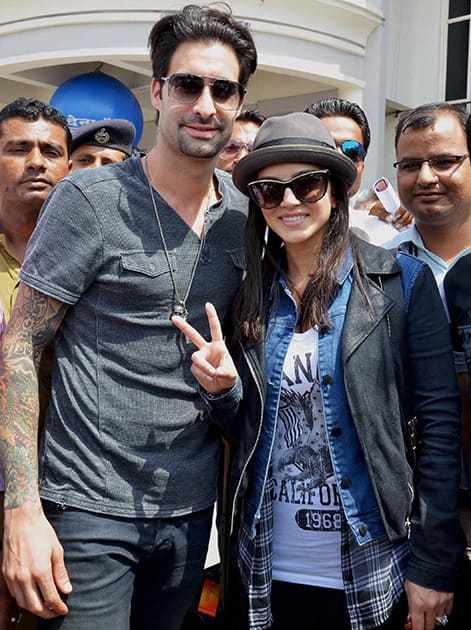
333 199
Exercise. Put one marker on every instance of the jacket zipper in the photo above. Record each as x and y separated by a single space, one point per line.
408 523
252 451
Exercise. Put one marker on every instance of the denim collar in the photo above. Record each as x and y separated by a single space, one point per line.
344 272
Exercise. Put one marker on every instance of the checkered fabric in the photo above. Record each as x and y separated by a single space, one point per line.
373 573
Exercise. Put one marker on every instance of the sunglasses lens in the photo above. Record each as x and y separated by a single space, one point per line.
353 150
267 194
185 88
226 94
310 187
232 147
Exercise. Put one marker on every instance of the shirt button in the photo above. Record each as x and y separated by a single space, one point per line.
327 379
336 431
152 267
346 482
363 529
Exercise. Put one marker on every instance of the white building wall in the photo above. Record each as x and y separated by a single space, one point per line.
416 62
384 54
417 52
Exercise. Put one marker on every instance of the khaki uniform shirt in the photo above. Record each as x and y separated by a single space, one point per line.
9 281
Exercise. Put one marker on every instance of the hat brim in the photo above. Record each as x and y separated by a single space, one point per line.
127 152
248 168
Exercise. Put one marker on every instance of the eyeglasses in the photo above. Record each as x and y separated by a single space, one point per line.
307 187
438 164
187 88
234 147
353 150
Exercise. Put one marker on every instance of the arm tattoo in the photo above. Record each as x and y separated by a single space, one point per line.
33 324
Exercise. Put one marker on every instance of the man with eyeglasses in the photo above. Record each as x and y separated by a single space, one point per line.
349 127
434 184
117 533
246 127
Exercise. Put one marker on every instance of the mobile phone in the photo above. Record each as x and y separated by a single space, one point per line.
387 195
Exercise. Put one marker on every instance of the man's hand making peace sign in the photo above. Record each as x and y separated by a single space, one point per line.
212 367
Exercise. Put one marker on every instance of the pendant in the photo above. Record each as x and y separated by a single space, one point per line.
180 310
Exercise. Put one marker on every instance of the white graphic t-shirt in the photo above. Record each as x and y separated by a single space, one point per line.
306 534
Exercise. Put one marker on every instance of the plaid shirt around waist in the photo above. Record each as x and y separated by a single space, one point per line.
373 573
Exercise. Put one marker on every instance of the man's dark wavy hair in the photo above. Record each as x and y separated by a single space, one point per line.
424 116
340 107
33 109
201 24
250 114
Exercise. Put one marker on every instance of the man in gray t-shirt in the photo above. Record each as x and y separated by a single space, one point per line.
129 458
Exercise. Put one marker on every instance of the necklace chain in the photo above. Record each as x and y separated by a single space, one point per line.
293 288
179 305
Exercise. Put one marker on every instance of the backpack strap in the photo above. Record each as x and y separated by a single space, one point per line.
394 287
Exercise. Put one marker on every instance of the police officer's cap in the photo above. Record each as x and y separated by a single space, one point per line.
115 133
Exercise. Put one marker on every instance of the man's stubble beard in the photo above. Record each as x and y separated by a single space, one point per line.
203 149
193 147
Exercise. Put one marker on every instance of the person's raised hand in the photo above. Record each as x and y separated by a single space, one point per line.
212 365
401 218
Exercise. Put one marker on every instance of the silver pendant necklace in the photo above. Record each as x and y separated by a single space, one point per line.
179 302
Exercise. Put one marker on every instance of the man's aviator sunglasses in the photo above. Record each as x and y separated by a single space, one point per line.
353 150
187 88
306 187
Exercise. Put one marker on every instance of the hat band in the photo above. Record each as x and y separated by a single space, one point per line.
295 141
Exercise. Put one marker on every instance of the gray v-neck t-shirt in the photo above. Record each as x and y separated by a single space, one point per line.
126 432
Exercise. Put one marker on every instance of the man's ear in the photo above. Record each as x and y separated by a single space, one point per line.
242 103
155 97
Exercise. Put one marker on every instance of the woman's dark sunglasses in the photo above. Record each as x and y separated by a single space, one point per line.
187 88
307 187
353 150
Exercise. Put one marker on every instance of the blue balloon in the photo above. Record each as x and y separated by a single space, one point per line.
97 96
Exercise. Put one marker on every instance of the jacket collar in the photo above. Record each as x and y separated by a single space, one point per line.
374 260
362 317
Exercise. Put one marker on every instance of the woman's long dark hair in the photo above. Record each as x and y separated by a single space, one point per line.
265 257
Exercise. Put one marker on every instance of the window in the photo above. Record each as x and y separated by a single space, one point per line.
458 86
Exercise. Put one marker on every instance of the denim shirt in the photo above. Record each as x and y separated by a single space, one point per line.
353 480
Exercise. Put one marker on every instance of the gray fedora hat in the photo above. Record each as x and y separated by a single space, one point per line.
297 137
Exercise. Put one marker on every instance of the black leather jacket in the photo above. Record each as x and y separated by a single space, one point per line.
397 364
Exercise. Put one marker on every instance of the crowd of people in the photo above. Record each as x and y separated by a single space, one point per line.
207 323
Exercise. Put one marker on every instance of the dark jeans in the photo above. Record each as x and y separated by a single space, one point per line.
316 608
294 606
141 574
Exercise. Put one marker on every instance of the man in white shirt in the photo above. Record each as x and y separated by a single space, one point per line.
434 185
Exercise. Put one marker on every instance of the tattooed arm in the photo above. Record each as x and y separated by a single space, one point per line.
33 563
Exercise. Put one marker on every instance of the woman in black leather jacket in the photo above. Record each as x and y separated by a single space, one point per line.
338 345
